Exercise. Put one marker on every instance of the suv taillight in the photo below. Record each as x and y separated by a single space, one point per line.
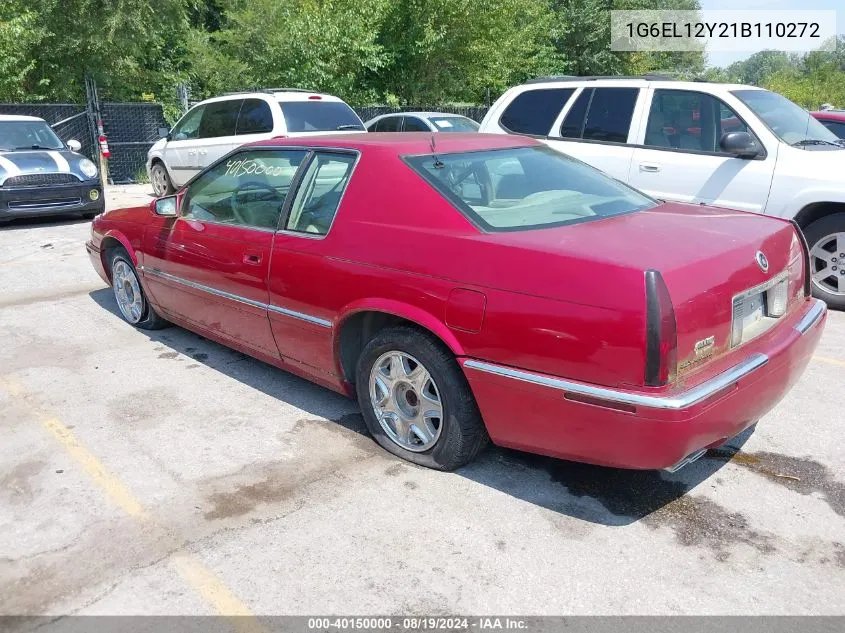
661 332
806 249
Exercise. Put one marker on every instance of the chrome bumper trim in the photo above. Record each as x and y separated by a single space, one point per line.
682 400
232 297
812 317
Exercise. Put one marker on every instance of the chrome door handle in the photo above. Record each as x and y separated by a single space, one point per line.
651 167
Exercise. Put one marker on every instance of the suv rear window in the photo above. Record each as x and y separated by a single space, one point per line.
534 111
524 188
319 116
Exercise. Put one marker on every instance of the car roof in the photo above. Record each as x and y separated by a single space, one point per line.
427 115
279 94
830 115
644 81
19 117
402 143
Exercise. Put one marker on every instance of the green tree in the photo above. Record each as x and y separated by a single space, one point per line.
20 33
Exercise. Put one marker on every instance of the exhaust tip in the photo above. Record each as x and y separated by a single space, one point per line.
686 461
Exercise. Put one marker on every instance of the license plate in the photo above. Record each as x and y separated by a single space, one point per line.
753 310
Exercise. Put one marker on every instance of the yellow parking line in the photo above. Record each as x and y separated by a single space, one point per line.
199 577
829 361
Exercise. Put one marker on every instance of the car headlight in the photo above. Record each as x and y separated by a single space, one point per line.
88 168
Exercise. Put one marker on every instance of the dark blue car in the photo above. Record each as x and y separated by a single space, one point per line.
40 175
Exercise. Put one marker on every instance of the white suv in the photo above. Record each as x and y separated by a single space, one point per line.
722 144
214 127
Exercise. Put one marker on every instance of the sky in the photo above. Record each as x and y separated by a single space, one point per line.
724 58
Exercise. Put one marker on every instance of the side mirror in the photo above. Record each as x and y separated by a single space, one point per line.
74 145
740 144
165 206
163 132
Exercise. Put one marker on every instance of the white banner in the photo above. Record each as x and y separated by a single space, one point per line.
723 30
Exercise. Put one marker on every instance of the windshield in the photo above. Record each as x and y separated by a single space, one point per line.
28 135
320 116
526 188
790 122
454 124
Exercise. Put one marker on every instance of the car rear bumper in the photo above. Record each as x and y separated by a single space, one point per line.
630 429
23 202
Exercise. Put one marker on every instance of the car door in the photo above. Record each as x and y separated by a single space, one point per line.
180 151
217 132
679 155
597 128
300 317
209 265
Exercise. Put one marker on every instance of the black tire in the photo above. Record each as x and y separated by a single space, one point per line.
149 318
816 233
160 180
462 432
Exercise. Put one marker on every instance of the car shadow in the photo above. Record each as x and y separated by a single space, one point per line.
596 494
44 221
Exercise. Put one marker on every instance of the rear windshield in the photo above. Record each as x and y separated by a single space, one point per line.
320 116
454 124
526 188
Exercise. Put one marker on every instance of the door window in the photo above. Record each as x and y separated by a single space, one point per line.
318 197
248 189
534 111
220 118
609 117
255 117
682 119
388 124
836 127
573 123
188 126
413 124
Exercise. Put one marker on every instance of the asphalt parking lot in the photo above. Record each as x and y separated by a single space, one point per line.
159 473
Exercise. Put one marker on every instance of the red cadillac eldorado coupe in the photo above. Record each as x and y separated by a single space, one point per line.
475 287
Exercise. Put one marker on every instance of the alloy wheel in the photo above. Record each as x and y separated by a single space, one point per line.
827 263
406 401
127 291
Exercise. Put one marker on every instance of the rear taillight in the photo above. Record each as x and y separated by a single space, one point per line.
806 259
661 332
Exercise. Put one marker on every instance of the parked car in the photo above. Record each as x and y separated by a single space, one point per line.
41 175
833 120
421 122
214 127
478 285
725 145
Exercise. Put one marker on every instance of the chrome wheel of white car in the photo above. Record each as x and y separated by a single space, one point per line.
406 401
827 263
160 180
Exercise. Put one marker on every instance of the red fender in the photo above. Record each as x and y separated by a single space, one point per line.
411 313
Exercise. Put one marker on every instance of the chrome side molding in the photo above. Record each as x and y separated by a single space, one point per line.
812 317
232 297
682 400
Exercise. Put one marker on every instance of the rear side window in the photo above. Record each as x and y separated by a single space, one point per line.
319 116
413 124
609 117
836 127
320 192
220 118
534 111
387 124
255 117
